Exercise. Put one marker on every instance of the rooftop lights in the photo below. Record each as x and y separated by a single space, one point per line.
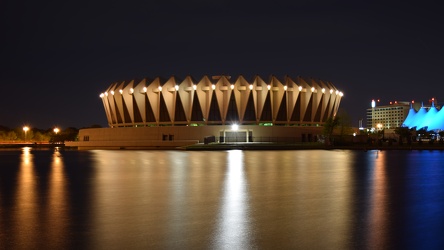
131 90
112 92
268 87
194 86
106 93
323 90
177 87
312 89
160 88
300 88
285 87
232 86
102 95
251 86
337 92
120 91
341 94
213 87
144 89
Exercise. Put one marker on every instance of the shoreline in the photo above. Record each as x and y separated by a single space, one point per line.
309 146
252 146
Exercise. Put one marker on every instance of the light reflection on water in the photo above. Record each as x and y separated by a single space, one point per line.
221 200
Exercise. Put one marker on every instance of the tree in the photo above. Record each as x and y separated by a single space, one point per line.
329 126
403 132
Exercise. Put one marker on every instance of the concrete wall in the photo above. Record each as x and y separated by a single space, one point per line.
177 133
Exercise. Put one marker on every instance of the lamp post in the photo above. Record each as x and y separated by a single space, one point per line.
56 131
25 128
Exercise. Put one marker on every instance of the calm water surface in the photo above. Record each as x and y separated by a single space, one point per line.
312 199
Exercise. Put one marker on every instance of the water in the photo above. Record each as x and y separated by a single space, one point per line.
312 199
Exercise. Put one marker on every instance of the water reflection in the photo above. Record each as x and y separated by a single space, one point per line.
233 226
224 200
377 231
57 209
26 212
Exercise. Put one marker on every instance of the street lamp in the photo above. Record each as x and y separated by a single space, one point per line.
379 125
56 130
25 128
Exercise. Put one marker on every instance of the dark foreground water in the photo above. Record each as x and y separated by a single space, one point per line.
312 199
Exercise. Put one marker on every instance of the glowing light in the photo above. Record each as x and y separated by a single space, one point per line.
160 88
268 87
177 87
373 103
25 128
112 92
106 93
354 134
323 90
300 88
194 86
145 89
341 94
213 87
331 91
56 130
131 91
232 86
312 89
251 86
120 91
102 95
235 127
285 88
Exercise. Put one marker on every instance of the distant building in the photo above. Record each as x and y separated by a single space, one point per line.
405 114
380 117
157 112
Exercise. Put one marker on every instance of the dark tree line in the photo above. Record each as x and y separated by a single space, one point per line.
38 135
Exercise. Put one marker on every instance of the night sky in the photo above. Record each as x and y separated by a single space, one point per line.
58 56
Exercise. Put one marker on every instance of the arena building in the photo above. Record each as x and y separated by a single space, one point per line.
174 112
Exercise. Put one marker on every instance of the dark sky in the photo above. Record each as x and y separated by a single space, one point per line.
58 56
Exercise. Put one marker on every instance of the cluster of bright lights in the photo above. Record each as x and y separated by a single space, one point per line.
213 86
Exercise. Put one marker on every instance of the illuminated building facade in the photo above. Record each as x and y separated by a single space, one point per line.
386 116
168 113
220 100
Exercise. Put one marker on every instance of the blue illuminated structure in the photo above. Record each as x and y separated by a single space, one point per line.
431 119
